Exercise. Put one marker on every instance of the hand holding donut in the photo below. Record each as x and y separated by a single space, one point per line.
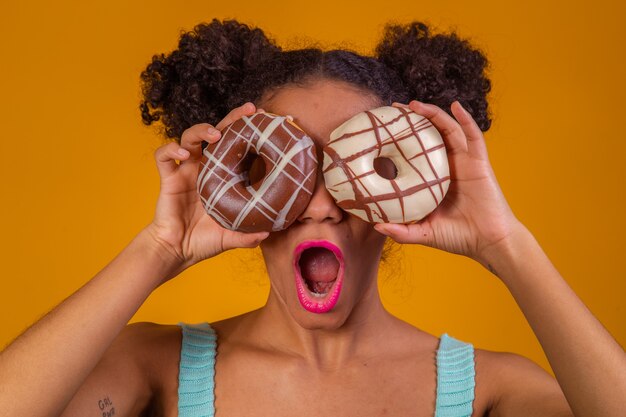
474 214
180 223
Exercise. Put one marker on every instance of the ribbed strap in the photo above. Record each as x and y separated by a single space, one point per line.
197 370
196 395
455 378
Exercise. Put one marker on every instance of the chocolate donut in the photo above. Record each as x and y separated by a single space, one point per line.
396 140
287 159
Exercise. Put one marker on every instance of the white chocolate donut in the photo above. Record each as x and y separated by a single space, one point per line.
414 146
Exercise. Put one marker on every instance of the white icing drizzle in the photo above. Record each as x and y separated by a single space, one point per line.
255 200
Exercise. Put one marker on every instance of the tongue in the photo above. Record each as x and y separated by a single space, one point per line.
319 265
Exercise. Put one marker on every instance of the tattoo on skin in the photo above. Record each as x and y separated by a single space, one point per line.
106 407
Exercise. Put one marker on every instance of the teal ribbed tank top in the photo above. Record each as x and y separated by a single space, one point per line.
196 378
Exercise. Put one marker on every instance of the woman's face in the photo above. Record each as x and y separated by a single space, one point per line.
347 277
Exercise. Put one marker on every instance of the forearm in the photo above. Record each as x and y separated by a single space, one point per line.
43 368
588 363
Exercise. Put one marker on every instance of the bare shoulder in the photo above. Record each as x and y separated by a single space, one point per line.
151 342
516 386
137 375
156 349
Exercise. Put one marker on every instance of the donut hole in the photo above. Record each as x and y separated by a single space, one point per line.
385 168
255 166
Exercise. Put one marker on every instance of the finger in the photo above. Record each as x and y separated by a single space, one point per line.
192 139
234 240
244 110
450 130
475 139
166 157
400 105
417 233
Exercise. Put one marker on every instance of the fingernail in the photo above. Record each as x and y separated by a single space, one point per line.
213 131
183 152
380 228
462 108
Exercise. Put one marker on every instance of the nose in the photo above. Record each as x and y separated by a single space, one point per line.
322 207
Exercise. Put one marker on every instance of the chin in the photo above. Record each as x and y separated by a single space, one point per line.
332 320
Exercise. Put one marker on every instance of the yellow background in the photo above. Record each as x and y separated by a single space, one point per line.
78 178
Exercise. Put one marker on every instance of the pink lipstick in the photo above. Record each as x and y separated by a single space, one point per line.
319 269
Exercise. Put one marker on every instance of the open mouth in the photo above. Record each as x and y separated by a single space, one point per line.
318 267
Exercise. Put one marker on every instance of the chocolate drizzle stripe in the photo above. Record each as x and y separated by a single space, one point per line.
363 175
430 164
399 137
400 198
408 120
353 180
434 148
352 204
374 121
365 199
360 132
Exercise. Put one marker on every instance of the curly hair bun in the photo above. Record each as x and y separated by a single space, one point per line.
437 69
220 65
193 83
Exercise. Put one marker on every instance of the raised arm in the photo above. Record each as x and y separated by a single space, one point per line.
44 368
475 220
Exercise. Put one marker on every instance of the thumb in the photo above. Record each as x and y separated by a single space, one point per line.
417 233
234 240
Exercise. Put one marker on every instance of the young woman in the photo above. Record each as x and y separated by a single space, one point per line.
282 360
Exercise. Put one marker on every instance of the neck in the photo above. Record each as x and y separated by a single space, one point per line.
332 342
